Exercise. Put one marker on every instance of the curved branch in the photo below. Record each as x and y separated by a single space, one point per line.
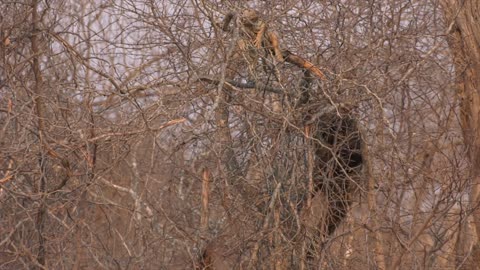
241 85
302 63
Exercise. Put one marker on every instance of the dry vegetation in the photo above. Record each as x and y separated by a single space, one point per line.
147 134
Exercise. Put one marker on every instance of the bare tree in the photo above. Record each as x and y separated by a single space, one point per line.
463 38
230 135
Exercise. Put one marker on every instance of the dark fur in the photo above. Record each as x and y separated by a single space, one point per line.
338 160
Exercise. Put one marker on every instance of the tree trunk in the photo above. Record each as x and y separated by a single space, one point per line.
41 113
464 42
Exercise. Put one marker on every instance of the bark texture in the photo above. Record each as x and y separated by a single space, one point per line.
464 42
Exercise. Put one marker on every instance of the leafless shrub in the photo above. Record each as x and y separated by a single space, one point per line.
147 135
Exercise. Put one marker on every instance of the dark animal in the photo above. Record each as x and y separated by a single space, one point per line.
339 158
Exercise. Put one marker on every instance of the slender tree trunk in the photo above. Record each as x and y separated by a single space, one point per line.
375 236
40 108
464 42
